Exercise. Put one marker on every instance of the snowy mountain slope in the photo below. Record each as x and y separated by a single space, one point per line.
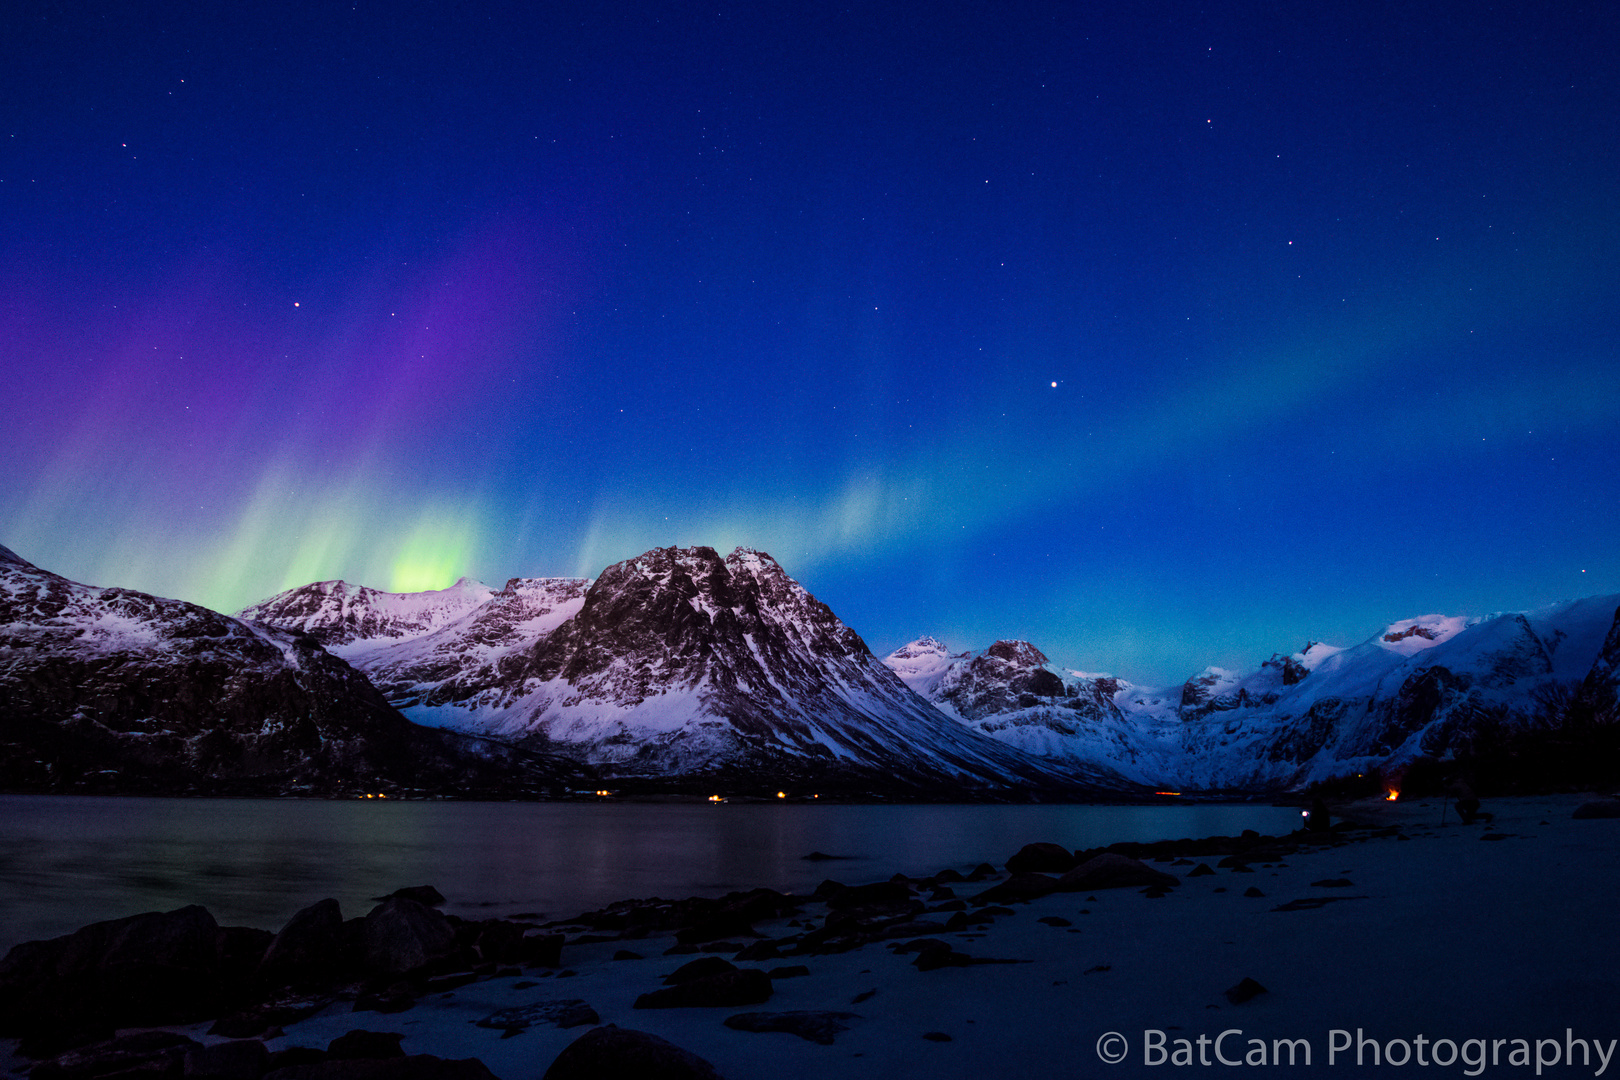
1012 693
463 656
1597 701
679 662
336 613
112 689
1424 686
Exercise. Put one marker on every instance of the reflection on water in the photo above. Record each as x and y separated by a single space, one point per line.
69 860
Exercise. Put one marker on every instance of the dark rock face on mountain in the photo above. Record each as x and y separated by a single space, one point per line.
680 660
1598 700
1012 693
116 690
1006 676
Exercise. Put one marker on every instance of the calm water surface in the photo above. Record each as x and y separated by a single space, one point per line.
69 860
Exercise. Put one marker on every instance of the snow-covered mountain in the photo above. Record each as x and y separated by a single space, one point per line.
336 613
681 663
1424 686
460 658
1597 702
112 689
1012 693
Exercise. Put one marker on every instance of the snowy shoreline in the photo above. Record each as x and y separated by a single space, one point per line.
1439 934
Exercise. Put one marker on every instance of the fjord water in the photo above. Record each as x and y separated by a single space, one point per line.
70 860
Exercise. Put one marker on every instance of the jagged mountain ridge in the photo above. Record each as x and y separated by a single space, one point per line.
1012 693
117 690
1424 686
459 659
336 613
679 662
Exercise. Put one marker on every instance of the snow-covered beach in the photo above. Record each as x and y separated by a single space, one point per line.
1462 949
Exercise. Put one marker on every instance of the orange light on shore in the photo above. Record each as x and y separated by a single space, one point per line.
1392 796
1167 793
781 794
716 798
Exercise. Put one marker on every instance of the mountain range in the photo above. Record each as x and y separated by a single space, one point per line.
1427 687
118 691
684 669
674 663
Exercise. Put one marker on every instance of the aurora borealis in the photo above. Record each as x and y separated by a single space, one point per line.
1158 336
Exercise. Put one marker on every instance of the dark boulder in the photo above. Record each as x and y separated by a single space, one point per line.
1041 859
756 904
791 971
403 935
1602 808
1244 991
560 1012
881 894
310 948
145 970
243 1059
613 1053
817 1027
540 949
723 925
748 986
1112 871
147 1053
1019 887
241 949
360 1044
760 950
933 954
157 967
699 969
498 941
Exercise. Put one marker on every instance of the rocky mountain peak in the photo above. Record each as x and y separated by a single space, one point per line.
1411 631
1019 653
922 647
1293 671
11 558
680 662
679 610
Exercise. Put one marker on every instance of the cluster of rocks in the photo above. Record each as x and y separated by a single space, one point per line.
182 967
66 996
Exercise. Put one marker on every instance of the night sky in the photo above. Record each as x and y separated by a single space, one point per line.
1160 335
